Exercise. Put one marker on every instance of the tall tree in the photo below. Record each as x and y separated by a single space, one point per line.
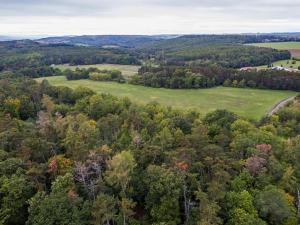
14 194
118 174
104 209
61 206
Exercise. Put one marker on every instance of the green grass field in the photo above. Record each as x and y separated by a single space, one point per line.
283 63
127 70
250 103
279 45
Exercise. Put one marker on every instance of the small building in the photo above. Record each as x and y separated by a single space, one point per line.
280 68
247 69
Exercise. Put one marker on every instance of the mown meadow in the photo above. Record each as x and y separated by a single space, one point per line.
249 103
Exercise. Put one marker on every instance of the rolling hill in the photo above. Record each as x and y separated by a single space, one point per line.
128 41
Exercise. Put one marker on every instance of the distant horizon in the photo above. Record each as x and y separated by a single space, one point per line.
38 36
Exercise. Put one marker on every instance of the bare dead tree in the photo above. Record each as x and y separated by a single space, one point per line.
90 172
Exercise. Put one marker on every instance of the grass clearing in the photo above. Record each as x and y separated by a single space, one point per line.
250 103
283 63
127 70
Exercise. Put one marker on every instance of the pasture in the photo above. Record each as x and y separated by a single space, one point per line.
127 70
249 103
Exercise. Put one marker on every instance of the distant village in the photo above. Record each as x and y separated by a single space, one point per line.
275 68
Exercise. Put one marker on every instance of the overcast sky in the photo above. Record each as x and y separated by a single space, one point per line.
75 17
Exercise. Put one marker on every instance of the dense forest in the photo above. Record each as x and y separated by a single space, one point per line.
76 157
230 56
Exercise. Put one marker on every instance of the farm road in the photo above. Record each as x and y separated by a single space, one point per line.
280 104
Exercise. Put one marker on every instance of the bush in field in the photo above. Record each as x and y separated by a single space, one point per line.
106 75
296 58
77 74
94 74
100 76
115 74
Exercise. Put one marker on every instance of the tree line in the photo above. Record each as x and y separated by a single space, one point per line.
208 75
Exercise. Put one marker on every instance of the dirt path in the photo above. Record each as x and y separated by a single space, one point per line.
279 105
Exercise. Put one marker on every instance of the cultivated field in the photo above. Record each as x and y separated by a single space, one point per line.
250 103
127 70
295 52
279 45
293 47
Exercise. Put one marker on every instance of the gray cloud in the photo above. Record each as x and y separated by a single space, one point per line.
169 15
99 7
53 7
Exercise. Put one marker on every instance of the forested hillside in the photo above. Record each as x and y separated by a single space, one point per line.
75 157
226 51
28 54
127 41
